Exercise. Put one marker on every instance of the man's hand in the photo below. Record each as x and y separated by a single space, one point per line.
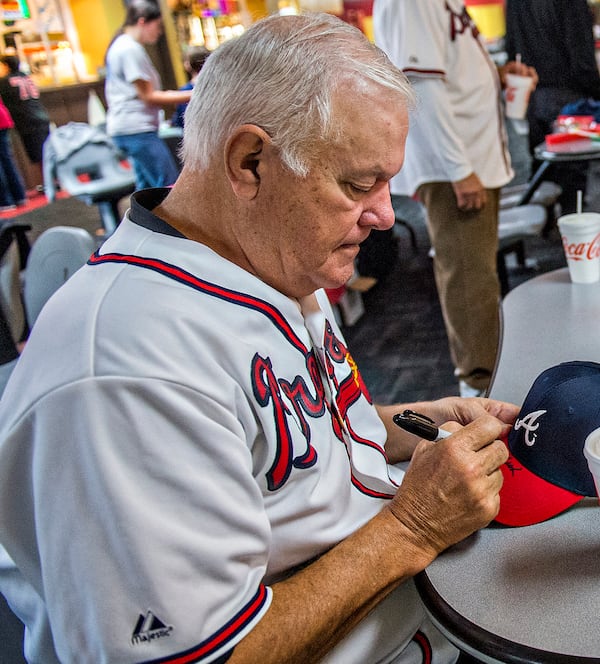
451 487
520 69
470 193
463 411
400 445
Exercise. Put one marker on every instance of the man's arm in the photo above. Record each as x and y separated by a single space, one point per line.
450 490
146 92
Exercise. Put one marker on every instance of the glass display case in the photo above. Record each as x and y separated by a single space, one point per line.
209 22
41 33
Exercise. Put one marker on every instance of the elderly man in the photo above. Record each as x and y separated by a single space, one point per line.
191 468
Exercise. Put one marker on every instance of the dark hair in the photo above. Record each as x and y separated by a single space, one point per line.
12 62
137 9
196 56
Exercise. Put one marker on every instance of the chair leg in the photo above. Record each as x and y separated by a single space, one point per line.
23 244
109 214
520 251
502 273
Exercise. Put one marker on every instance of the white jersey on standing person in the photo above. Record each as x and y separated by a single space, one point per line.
463 131
456 134
191 467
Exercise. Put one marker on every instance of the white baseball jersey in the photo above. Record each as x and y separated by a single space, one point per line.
177 436
458 126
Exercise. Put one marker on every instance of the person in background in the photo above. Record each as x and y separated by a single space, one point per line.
12 189
193 63
22 98
238 497
134 96
456 161
557 39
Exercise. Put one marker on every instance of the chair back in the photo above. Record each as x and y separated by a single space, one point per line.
95 170
55 256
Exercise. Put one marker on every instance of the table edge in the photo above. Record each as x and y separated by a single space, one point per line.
479 639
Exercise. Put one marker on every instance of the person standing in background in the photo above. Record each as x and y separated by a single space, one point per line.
22 98
557 39
12 189
456 160
134 97
193 63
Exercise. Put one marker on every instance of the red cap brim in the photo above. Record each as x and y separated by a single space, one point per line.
526 499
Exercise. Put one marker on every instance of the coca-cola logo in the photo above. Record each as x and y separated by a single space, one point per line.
582 251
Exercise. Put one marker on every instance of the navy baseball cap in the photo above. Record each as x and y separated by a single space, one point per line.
546 472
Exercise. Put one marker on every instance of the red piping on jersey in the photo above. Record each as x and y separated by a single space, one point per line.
423 642
369 492
223 636
429 73
210 289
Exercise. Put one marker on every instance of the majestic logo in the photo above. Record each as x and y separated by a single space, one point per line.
148 628
530 424
582 251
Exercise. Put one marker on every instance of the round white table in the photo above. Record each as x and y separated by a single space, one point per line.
530 594
545 320
522 595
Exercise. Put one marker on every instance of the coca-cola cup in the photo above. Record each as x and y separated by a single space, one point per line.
516 95
591 451
581 243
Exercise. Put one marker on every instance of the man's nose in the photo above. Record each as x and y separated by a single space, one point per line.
379 212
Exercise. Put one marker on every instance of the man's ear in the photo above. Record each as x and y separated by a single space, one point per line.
244 152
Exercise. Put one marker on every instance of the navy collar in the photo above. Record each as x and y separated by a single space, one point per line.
142 204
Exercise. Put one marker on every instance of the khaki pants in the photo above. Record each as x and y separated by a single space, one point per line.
466 245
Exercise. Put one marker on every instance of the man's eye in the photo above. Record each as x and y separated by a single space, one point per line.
360 189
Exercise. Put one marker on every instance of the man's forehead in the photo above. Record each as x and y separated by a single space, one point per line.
368 135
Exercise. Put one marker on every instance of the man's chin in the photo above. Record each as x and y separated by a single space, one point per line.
340 278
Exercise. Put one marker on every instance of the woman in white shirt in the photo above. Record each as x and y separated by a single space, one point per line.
134 96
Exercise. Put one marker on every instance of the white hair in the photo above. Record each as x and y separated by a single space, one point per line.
281 75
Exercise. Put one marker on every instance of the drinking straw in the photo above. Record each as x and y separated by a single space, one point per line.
518 58
579 200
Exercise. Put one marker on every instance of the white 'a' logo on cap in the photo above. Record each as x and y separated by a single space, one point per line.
530 424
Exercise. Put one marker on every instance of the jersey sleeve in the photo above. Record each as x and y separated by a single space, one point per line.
418 50
136 65
172 538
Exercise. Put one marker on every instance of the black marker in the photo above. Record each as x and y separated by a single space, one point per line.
420 425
